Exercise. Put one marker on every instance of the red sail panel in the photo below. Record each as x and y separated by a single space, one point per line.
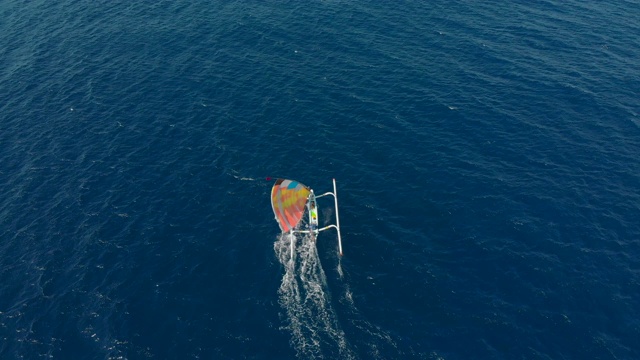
288 199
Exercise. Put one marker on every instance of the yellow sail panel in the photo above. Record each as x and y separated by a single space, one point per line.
288 199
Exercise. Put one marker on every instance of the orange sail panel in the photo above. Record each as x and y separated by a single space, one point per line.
288 199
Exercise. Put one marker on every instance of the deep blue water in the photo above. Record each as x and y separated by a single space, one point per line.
487 156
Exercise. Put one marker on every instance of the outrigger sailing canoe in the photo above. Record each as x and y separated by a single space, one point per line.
290 199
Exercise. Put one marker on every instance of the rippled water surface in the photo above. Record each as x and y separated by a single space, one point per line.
486 158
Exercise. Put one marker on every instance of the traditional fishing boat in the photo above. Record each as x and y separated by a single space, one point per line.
290 199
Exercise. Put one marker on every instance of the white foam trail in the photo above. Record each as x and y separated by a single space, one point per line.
304 296
376 338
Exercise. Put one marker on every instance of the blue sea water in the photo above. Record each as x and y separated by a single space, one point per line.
487 158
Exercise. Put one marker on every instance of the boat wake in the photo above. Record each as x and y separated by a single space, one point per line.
305 298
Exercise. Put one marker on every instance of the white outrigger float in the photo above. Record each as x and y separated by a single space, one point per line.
290 199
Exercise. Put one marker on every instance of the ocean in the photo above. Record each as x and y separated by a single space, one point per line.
486 155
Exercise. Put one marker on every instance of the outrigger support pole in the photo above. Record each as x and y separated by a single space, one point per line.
336 226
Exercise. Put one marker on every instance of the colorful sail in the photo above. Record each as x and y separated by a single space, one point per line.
288 199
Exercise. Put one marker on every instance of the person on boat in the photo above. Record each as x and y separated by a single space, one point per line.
312 206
